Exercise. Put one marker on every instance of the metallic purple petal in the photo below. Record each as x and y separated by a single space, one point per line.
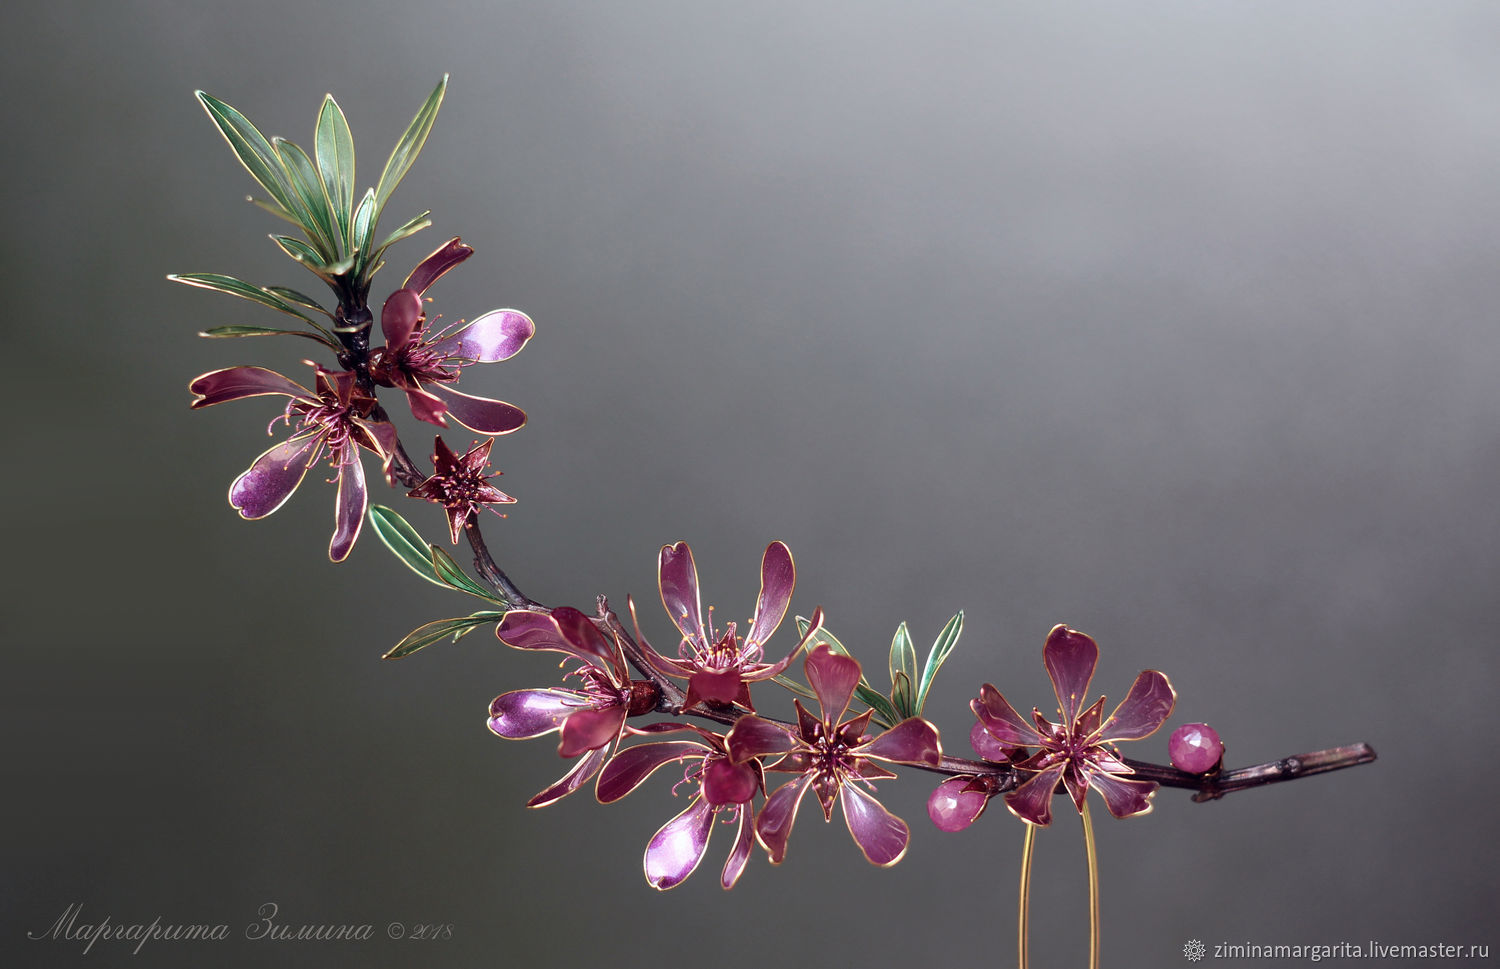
778 576
739 855
588 765
1032 801
1002 720
480 413
1145 708
1076 782
677 577
880 834
580 631
400 318
1070 658
754 736
524 714
233 383
725 782
431 268
987 746
524 629
426 406
833 677
349 509
773 826
674 851
912 741
270 480
633 765
953 807
721 687
590 730
495 336
1124 798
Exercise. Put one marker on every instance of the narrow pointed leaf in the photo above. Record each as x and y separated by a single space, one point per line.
220 283
406 542
439 629
361 230
220 332
903 655
251 148
304 254
275 209
334 146
406 231
453 576
946 641
308 195
904 695
410 145
293 296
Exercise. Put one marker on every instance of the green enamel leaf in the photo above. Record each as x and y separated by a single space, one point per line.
946 641
406 542
334 146
304 254
361 230
455 577
903 696
292 296
275 210
411 228
252 149
903 654
220 283
440 629
308 195
410 145
222 332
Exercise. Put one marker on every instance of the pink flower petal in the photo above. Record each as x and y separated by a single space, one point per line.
912 741
430 269
953 807
1070 658
1032 801
480 413
399 319
675 851
1145 708
495 336
833 677
631 766
349 509
880 834
721 687
233 383
587 766
426 406
773 826
524 714
270 480
725 782
754 736
524 629
778 576
1124 798
739 855
987 746
1001 719
590 730
677 577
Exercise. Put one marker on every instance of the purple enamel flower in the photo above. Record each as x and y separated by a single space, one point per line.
460 485
719 666
835 758
722 790
333 420
1079 752
590 719
422 362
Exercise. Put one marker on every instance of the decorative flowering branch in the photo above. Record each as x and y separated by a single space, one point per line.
713 729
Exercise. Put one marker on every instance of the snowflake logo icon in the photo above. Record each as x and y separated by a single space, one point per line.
1194 950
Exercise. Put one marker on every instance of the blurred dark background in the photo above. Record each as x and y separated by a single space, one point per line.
1173 322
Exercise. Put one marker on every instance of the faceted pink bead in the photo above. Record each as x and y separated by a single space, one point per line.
1195 748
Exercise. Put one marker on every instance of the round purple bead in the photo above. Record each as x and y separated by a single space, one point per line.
1195 748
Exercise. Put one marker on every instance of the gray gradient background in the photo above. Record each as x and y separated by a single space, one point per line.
1174 322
